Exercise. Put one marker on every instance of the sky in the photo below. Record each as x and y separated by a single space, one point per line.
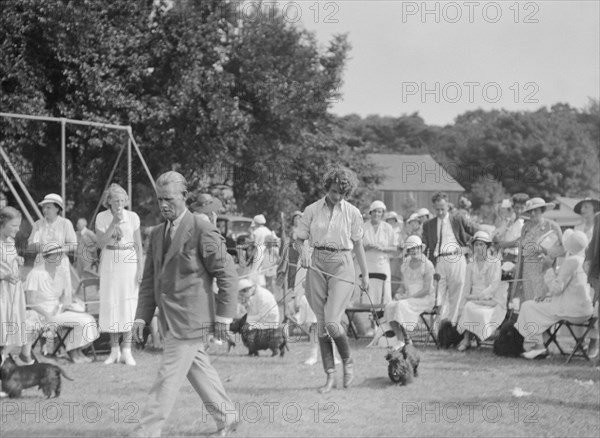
441 59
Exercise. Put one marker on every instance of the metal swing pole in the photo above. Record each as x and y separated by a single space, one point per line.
63 163
129 173
20 182
16 195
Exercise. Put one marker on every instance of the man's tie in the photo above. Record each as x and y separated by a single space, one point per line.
167 239
440 238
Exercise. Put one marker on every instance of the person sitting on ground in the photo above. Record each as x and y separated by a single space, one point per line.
261 307
53 308
415 295
568 297
485 294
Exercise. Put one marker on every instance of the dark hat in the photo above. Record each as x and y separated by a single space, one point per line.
205 203
594 202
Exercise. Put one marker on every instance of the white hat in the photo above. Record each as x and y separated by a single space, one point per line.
392 215
534 203
413 217
482 236
244 283
53 198
413 242
574 242
259 219
506 203
423 212
377 205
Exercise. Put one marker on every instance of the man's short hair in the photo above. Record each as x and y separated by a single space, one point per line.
439 196
172 177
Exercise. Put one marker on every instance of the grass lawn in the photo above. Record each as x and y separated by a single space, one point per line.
455 395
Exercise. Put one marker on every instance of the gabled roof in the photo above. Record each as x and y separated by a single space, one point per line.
414 173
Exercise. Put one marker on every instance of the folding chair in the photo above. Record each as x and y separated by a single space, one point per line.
83 289
59 341
579 340
365 306
432 316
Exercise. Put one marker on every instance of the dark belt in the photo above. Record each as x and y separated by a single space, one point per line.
330 248
119 248
448 254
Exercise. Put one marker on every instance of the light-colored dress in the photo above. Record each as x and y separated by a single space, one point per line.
47 297
570 300
12 298
531 269
118 267
51 235
406 312
379 261
588 232
484 283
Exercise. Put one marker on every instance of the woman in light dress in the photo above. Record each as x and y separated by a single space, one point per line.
485 295
568 297
415 296
379 242
50 232
121 270
52 307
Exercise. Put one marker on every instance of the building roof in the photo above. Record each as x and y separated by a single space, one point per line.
414 173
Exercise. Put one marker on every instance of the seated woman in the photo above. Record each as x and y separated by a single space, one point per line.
52 307
484 293
568 297
415 295
262 309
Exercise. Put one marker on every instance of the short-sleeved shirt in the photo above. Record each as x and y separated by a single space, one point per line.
336 230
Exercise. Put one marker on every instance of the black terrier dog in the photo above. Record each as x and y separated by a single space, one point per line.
448 335
258 339
17 378
403 364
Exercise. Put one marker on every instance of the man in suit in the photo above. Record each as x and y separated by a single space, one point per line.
592 265
184 255
446 237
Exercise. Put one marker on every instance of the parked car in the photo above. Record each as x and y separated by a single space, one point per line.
232 228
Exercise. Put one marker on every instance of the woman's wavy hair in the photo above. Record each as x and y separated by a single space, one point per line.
341 175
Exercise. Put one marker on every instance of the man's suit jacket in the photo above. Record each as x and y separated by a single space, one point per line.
182 285
463 231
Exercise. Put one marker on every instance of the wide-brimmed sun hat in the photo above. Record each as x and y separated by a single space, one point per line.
595 203
413 242
574 242
481 236
377 205
413 217
423 212
534 203
53 198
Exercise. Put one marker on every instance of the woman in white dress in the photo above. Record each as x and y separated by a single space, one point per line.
52 307
50 232
568 297
485 294
415 295
121 271
378 240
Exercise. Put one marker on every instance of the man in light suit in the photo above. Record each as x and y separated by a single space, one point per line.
184 255
446 237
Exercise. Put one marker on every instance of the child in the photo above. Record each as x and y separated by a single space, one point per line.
12 297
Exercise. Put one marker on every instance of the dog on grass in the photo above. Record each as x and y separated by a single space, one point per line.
45 376
448 335
258 339
403 364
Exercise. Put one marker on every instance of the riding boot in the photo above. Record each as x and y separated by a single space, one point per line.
327 357
343 347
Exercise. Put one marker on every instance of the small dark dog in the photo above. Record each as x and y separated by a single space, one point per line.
258 339
509 342
17 378
403 364
448 336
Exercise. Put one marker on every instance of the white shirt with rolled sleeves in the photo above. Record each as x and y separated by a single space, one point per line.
325 229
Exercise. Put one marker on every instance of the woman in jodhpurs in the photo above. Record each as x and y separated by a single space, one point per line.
334 228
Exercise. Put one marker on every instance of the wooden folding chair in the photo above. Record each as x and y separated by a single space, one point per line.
432 315
365 305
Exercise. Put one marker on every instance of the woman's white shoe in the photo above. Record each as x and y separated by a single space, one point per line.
127 357
115 356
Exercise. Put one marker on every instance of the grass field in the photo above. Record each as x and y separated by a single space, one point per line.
456 395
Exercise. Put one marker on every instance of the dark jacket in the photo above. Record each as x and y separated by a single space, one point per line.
463 232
